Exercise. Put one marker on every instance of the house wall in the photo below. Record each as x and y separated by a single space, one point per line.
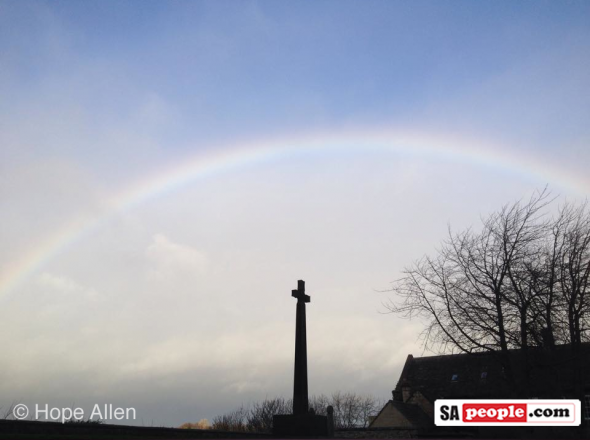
389 417
419 399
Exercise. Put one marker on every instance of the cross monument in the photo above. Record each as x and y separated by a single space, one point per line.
303 422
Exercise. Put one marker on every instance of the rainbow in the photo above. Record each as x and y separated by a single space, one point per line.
224 158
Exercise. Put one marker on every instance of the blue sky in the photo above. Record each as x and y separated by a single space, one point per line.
248 68
98 97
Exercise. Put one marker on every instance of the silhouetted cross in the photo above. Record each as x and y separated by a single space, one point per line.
300 292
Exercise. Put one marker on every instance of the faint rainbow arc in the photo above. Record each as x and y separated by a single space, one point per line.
244 153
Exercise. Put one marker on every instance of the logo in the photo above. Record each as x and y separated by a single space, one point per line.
455 412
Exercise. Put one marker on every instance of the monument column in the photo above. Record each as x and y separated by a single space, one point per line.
301 423
300 397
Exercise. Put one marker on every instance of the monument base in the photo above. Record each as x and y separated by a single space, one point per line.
301 425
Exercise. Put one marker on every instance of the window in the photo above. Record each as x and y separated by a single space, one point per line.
454 378
484 373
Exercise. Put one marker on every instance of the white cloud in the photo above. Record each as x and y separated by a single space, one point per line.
62 285
59 283
169 259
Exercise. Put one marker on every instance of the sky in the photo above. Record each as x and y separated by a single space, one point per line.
169 170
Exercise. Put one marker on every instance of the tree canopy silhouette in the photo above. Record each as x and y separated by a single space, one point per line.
519 281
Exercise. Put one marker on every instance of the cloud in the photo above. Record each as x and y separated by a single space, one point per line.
60 284
169 260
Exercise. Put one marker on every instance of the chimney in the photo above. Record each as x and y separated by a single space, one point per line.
406 391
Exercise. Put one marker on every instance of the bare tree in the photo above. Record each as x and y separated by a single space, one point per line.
320 404
574 274
369 407
520 281
574 270
260 414
350 411
8 413
233 421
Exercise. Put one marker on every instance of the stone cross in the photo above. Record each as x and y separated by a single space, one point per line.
303 423
300 397
299 293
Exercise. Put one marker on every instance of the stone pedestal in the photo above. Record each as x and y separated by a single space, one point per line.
300 425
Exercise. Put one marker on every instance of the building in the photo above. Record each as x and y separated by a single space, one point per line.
547 373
